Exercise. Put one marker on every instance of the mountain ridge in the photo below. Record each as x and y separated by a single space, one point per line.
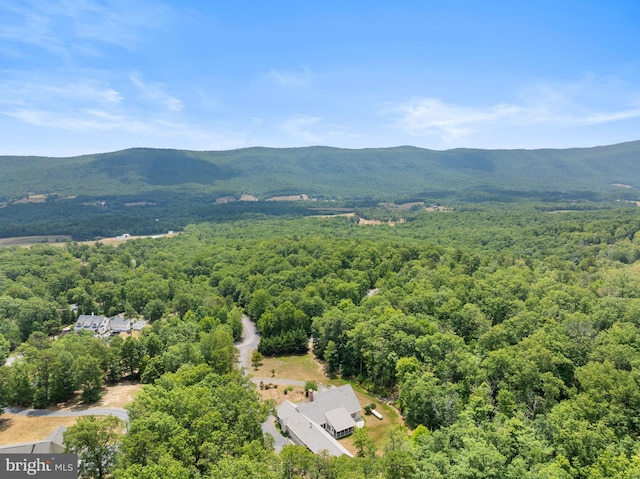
149 191
323 171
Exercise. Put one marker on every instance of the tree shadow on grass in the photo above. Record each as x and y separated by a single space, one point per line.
5 423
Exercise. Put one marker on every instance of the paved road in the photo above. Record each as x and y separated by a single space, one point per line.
279 441
278 381
96 411
249 342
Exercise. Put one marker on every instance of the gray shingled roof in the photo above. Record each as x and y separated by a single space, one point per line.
119 323
340 419
286 410
89 321
325 401
309 432
57 435
51 445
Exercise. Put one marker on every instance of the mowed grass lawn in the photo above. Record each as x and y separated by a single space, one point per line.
305 367
302 367
376 428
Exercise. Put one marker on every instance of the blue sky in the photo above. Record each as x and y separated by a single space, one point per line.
85 76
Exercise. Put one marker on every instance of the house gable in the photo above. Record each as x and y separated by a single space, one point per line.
329 414
101 324
339 422
91 322
305 432
120 324
329 400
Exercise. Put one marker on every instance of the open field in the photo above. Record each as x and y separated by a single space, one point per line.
18 429
61 240
376 428
301 197
363 221
305 367
32 199
31 240
124 238
118 395
15 429
302 367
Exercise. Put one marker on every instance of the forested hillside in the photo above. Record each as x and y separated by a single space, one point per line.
147 191
508 338
390 173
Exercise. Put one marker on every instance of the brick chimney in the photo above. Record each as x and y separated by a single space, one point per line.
310 395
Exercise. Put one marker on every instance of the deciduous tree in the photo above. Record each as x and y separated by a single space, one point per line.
94 439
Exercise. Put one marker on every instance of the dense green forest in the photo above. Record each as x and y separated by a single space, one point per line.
507 335
323 172
146 191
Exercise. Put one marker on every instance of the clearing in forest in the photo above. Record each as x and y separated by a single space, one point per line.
16 429
305 367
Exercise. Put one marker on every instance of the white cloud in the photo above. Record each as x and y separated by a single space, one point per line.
311 130
590 102
79 121
106 130
289 79
86 91
156 92
91 131
85 105
607 117
429 116
101 116
30 27
78 27
61 94
299 128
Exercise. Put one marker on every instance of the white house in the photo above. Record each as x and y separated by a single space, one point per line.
93 323
337 410
120 324
139 325
326 417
